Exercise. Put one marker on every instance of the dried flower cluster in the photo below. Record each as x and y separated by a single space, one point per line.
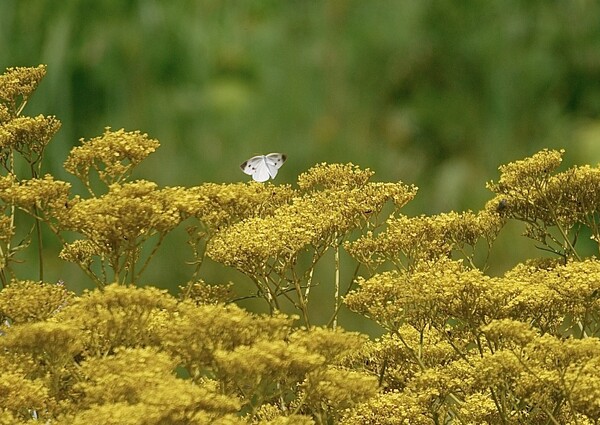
459 346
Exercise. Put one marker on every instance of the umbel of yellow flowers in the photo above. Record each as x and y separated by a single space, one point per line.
457 345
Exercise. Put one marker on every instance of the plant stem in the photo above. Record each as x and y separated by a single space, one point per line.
337 284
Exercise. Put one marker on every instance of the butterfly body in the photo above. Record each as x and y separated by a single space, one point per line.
263 167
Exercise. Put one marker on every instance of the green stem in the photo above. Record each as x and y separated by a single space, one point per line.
560 228
337 284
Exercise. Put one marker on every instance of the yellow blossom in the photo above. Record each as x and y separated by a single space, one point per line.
391 408
528 172
29 301
144 375
194 333
407 240
5 114
18 394
117 316
220 205
28 136
479 408
396 357
529 192
315 219
46 194
113 155
334 346
20 81
432 293
117 224
202 293
81 252
334 390
331 176
7 229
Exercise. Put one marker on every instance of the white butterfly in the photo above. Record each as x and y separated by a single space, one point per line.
263 167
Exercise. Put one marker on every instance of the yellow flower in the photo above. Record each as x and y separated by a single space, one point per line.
118 222
20 395
408 240
331 176
27 135
519 176
390 408
479 408
142 381
29 301
47 194
318 219
220 205
113 155
5 114
334 390
20 81
430 294
194 333
202 293
117 316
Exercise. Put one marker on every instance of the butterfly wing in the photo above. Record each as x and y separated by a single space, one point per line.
249 167
257 168
263 167
273 162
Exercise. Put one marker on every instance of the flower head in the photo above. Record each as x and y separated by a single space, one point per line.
113 155
20 81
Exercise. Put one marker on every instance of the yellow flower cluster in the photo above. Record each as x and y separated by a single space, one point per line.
23 139
219 205
477 349
544 370
118 223
201 330
529 191
334 391
317 219
392 407
331 176
112 387
528 172
7 230
202 293
428 295
112 353
20 82
5 114
392 356
28 136
47 195
117 316
20 393
125 213
113 155
268 248
29 301
408 240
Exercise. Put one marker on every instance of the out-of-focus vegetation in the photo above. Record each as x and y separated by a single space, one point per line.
433 93
418 90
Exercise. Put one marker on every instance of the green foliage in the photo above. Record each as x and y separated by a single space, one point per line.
459 346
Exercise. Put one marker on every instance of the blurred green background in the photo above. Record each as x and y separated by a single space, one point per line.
433 93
